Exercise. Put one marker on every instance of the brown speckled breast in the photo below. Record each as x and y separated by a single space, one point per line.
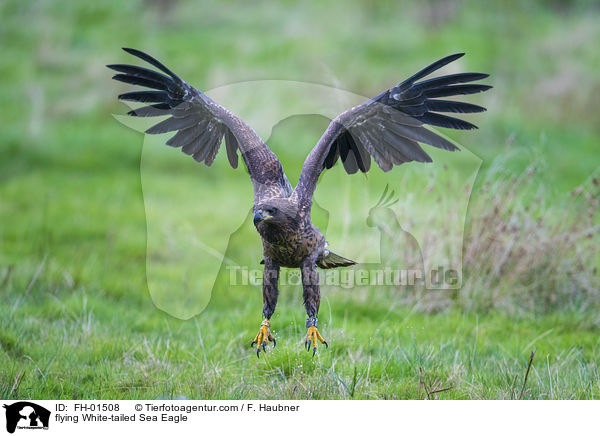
288 246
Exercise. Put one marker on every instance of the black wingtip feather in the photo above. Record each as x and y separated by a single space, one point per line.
144 73
140 81
451 90
430 69
446 121
434 66
453 106
153 110
146 57
417 98
449 79
145 96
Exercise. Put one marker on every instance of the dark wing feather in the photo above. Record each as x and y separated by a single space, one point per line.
153 110
231 146
140 81
448 91
390 127
200 124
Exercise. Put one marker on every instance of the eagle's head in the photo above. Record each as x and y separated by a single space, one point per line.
276 211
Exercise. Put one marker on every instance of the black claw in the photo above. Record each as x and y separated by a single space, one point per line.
314 351
274 343
258 353
264 345
326 345
252 344
308 346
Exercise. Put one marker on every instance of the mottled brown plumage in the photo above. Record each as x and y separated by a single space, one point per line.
387 128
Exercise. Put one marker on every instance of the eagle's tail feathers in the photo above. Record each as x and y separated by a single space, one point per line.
333 260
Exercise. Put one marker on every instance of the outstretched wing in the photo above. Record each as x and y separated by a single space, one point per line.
389 127
200 124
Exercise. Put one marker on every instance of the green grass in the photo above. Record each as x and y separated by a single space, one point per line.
77 318
78 343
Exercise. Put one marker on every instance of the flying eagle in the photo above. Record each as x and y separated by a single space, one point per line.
387 128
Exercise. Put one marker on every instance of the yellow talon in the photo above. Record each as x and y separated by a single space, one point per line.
263 336
312 336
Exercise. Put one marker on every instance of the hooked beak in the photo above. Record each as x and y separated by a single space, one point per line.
259 216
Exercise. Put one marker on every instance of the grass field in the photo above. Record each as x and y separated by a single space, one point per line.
77 319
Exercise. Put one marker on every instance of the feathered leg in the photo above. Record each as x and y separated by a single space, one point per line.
270 288
312 299
270 294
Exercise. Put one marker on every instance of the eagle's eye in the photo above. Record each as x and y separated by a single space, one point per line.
271 210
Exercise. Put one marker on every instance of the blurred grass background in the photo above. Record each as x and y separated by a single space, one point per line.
76 320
